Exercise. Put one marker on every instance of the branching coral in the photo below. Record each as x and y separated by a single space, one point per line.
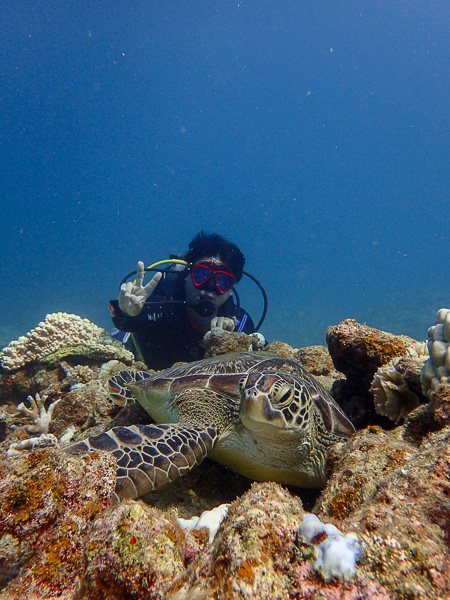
38 413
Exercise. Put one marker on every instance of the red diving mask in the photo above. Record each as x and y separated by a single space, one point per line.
200 274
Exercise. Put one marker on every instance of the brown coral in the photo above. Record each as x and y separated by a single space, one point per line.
395 387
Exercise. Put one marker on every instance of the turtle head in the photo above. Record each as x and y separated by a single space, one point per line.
272 400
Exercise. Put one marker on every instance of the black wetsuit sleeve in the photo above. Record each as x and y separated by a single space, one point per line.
146 319
245 323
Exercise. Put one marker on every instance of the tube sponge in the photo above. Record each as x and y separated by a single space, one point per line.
437 368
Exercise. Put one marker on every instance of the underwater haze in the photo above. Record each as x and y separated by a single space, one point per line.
314 134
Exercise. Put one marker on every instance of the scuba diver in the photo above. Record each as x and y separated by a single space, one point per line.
169 316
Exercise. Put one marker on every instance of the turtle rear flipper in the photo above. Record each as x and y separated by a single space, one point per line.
149 456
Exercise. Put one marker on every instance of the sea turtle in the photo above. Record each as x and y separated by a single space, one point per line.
258 413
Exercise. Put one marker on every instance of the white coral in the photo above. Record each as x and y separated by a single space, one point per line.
40 415
337 554
437 368
209 519
43 441
59 330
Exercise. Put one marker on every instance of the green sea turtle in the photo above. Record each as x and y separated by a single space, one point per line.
258 413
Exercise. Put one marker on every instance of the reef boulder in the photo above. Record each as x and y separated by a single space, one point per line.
47 503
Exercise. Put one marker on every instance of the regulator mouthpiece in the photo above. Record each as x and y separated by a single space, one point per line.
205 308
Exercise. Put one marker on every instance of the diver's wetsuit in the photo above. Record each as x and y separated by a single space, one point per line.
165 332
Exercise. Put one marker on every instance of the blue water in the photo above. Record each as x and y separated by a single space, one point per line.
314 134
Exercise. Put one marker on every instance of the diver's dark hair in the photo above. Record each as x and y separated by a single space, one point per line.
213 244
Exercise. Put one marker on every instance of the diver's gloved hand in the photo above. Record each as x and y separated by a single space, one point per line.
224 323
132 296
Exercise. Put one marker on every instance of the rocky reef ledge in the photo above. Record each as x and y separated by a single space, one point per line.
387 494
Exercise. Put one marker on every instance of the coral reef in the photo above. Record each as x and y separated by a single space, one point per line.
387 490
59 336
437 369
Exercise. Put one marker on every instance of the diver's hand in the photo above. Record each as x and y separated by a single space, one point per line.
223 323
132 296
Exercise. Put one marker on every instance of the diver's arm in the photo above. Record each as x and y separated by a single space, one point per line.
132 296
148 319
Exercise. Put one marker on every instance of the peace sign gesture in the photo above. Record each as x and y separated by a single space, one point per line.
132 296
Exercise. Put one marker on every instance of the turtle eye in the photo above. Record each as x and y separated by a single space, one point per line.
283 396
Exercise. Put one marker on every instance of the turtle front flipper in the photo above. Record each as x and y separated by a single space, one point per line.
117 386
149 456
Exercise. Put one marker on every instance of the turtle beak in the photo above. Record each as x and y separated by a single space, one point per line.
256 410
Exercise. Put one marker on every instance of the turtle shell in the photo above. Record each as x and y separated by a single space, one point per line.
223 373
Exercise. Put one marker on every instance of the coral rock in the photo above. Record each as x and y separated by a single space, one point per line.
250 551
440 403
282 349
217 341
358 350
315 359
83 407
134 552
47 502
256 555
348 464
396 497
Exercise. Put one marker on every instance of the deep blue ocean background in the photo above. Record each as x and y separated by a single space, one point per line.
314 134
